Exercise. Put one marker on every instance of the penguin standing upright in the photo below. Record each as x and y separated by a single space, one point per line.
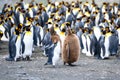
71 48
107 42
118 30
84 41
48 44
27 43
57 46
18 45
89 42
97 38
114 44
79 34
38 34
14 46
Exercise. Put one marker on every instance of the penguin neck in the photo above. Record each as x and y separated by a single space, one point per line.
62 33
28 32
18 37
56 28
108 34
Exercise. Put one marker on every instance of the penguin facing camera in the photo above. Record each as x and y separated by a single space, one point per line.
27 43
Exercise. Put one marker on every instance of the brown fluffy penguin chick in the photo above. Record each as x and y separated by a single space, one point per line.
71 48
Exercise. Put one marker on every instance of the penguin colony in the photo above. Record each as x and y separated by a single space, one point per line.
63 29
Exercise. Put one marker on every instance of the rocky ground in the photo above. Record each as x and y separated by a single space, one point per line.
87 68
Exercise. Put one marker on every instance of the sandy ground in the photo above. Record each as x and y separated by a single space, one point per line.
87 68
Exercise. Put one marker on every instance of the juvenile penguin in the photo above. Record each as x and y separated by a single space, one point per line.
49 47
71 48
57 46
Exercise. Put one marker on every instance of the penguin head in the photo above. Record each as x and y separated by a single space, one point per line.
85 30
1 34
20 26
69 30
107 29
115 4
28 26
52 31
37 24
90 31
50 23
56 25
72 4
52 15
17 31
63 27
103 32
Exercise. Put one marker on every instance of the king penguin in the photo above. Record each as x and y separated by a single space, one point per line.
27 43
18 44
114 44
107 44
97 38
14 46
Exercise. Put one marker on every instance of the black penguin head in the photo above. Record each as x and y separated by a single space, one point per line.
103 32
68 24
37 24
27 28
1 34
17 31
107 29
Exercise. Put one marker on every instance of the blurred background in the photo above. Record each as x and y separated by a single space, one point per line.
12 2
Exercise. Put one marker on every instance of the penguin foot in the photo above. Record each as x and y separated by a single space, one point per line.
48 63
64 63
106 58
9 59
18 59
70 64
28 58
